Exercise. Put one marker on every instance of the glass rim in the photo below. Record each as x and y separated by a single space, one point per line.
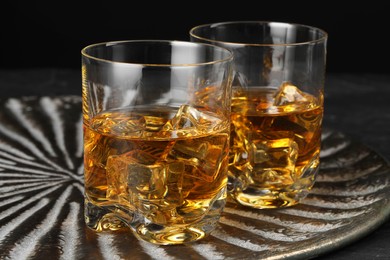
323 37
172 42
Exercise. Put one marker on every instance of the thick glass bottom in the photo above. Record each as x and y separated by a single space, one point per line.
111 218
259 197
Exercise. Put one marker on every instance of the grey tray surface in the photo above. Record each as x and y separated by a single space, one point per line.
41 198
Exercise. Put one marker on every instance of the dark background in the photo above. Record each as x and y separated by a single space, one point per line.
51 34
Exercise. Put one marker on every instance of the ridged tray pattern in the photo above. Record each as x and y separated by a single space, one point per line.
41 198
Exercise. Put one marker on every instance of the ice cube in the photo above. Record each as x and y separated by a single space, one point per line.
162 210
190 148
139 178
152 125
184 118
117 180
192 152
240 176
290 94
174 181
146 181
213 161
125 125
273 156
188 117
136 173
202 156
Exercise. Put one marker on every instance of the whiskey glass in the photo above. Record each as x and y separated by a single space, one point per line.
277 108
156 118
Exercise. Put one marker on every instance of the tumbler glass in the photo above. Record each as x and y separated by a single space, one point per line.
277 108
156 118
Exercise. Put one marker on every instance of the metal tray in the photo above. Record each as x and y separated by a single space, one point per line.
41 198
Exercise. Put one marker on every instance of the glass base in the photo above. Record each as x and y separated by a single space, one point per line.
166 235
112 218
259 197
270 199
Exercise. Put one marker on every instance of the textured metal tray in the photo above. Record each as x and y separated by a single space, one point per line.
41 201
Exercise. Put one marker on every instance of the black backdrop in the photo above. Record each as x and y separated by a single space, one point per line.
51 34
